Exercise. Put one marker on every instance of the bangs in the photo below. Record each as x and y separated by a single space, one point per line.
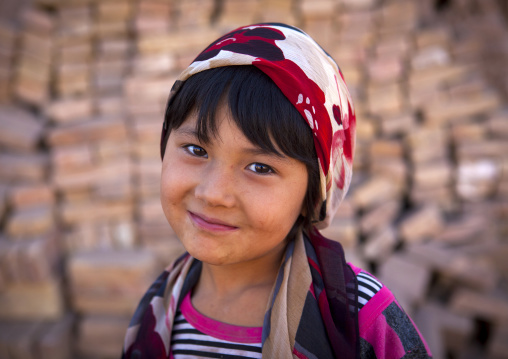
257 106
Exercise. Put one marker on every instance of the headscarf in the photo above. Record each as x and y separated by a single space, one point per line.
311 81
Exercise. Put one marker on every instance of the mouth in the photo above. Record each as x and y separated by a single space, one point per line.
210 224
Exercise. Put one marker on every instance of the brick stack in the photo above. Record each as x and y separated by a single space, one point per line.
84 84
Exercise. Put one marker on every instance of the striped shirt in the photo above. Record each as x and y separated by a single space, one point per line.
195 335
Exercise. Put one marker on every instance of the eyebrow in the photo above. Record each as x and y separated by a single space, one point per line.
254 150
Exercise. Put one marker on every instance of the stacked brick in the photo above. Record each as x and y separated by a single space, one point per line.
83 86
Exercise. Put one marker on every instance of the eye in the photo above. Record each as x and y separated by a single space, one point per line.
196 151
260 168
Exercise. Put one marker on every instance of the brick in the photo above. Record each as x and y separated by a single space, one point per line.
20 339
72 158
380 245
113 48
25 223
487 306
386 149
380 216
99 335
397 124
94 130
69 110
22 168
75 53
19 129
421 224
374 191
344 231
31 91
33 301
427 144
117 10
392 169
434 174
477 180
37 21
438 36
432 56
408 280
385 70
460 268
96 211
109 105
55 341
22 196
447 112
385 99
497 124
497 347
395 45
97 285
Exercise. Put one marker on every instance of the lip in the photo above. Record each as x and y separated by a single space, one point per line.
210 224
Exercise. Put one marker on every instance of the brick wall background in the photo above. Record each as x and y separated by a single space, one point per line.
83 84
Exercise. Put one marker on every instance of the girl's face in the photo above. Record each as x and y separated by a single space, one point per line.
229 201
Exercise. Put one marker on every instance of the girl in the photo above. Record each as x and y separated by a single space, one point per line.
257 148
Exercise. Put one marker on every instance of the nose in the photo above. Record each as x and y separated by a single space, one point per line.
216 186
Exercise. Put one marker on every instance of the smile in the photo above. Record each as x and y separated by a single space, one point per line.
210 224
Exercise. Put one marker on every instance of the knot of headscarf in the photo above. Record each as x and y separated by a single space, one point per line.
311 81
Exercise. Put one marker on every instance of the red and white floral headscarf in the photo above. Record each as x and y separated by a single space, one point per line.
312 82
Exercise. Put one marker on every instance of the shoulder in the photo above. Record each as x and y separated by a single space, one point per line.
386 331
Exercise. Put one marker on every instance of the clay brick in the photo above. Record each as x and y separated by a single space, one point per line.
397 124
99 335
94 130
22 196
477 180
96 280
117 10
71 158
487 306
22 168
386 149
37 21
427 144
96 211
55 341
421 224
19 339
391 169
386 99
33 301
19 129
435 36
498 348
380 245
344 231
75 53
375 191
460 268
433 174
109 105
24 223
498 124
69 110
446 112
380 216
385 70
432 56
408 280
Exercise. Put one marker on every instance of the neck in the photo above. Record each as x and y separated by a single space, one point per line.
236 279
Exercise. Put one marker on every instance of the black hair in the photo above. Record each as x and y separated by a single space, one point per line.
261 111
